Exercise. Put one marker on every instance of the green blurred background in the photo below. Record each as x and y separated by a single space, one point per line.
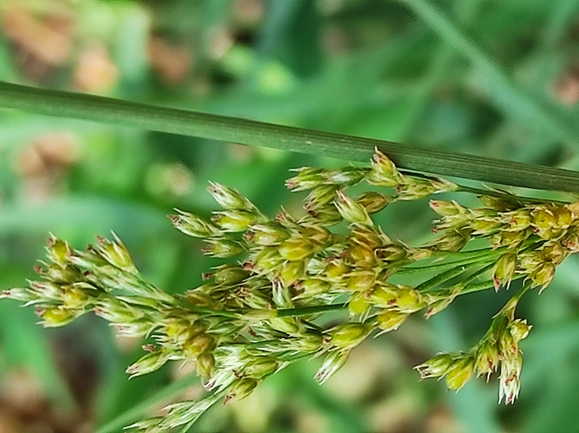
492 77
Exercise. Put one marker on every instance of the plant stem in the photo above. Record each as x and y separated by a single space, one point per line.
305 311
249 132
438 266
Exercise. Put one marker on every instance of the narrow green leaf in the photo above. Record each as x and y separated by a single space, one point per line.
249 132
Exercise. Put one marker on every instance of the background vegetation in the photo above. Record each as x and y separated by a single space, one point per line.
481 76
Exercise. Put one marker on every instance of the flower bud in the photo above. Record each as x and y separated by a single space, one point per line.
235 220
439 301
459 373
509 380
202 343
335 270
351 210
74 297
446 208
563 216
307 178
383 171
543 221
504 270
267 260
193 225
374 202
361 280
543 275
267 234
312 287
510 239
61 274
452 241
229 275
349 335
389 320
206 365
56 316
412 188
289 325
307 341
358 304
332 363
326 215
228 198
346 176
384 295
223 248
290 272
295 248
361 256
58 250
316 235
485 226
260 367
240 389
367 237
19 294
408 300
518 220
519 329
147 364
499 204
281 295
115 253
46 290
437 366
320 196
487 358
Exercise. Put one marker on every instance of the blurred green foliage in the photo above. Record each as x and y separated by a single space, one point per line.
481 76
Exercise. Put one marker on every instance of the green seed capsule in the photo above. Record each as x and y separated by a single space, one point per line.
295 248
202 343
390 320
349 335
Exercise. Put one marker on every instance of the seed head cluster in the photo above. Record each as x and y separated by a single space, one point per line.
265 309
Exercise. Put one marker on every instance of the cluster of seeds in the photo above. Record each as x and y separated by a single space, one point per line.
253 317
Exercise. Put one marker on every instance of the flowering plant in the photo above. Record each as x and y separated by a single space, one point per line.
256 316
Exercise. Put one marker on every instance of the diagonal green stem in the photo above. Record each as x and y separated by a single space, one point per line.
249 132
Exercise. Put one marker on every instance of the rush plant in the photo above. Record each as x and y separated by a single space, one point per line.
267 305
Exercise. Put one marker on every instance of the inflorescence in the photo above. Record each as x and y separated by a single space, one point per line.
253 318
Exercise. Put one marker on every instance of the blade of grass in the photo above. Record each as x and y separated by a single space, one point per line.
249 132
514 100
